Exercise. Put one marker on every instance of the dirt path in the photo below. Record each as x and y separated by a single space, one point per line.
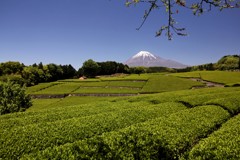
207 83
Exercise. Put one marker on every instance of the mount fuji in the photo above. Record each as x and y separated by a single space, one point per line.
147 59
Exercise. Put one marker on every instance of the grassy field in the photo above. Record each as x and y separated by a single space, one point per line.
163 83
39 87
174 124
134 84
223 77
127 84
61 88
134 77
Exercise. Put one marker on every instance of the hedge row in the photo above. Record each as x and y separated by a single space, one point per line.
231 103
201 99
222 144
194 97
162 138
56 114
34 137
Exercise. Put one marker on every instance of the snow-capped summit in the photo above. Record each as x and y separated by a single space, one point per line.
147 59
144 54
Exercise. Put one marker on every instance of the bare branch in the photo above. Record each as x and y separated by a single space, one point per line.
153 5
197 8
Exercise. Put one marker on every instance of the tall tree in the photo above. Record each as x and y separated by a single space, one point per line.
55 71
107 68
68 71
90 68
11 68
172 7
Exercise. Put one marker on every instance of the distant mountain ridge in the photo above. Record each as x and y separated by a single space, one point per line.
147 59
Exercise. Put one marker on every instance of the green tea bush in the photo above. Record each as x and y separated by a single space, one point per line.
38 136
169 137
201 99
13 98
230 103
222 144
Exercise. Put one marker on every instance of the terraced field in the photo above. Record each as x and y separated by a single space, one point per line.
180 124
222 77
131 84
171 125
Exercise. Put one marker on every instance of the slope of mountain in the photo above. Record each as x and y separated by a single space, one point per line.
147 59
228 62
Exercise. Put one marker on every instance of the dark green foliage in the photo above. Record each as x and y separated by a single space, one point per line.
208 67
137 70
154 101
33 75
13 98
90 68
16 79
68 71
160 69
111 67
36 73
55 71
10 67
230 62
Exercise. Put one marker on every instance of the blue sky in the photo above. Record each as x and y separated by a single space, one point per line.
72 31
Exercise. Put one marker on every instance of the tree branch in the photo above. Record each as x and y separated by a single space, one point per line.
197 8
153 5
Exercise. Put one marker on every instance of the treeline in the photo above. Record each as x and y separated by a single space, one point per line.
228 62
139 70
39 73
34 74
91 68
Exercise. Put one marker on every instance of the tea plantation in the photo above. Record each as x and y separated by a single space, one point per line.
176 122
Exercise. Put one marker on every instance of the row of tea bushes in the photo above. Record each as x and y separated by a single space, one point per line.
33 137
161 138
222 144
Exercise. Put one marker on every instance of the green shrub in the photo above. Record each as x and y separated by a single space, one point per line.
222 144
13 98
231 103
13 78
169 137
29 137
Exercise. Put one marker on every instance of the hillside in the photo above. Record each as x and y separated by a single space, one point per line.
128 127
229 62
183 124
